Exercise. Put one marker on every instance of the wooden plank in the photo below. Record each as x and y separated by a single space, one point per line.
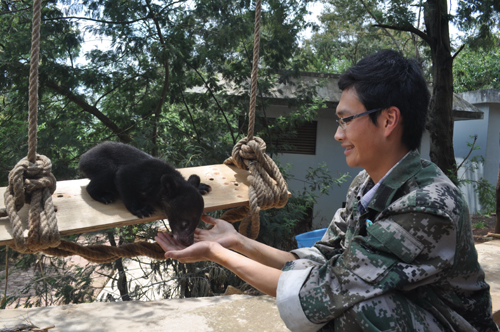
78 213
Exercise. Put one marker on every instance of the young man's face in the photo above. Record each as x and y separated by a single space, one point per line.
360 138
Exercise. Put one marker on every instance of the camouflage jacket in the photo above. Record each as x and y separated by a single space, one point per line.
419 244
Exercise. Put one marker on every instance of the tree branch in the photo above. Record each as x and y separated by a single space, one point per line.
470 151
166 67
213 96
116 87
95 20
29 8
191 116
90 109
414 30
459 50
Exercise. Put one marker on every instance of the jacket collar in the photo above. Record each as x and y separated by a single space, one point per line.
406 169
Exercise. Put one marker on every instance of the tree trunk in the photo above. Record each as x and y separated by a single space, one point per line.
122 277
440 120
497 224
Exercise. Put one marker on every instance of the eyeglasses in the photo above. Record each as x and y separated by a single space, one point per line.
345 121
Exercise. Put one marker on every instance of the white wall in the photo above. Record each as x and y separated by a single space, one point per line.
425 146
328 151
462 131
492 162
488 132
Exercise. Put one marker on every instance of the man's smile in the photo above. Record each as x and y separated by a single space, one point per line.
348 148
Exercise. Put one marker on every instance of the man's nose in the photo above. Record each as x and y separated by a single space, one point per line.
339 134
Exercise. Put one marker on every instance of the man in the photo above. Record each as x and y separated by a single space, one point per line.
400 256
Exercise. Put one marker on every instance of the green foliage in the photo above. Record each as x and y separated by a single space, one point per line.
475 69
486 194
480 225
479 19
54 282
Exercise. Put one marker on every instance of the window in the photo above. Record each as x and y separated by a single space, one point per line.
303 143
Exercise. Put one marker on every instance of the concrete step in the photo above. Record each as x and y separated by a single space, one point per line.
218 314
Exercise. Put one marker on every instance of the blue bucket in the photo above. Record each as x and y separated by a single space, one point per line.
306 240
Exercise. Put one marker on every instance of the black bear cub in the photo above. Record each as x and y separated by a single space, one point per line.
142 181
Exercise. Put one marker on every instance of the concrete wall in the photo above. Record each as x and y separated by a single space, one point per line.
488 132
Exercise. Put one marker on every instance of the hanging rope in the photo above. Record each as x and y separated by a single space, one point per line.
268 189
31 180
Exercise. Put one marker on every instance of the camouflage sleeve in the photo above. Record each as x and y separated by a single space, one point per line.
287 298
330 245
399 252
297 272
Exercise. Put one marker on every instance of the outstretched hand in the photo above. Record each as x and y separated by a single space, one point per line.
197 252
222 233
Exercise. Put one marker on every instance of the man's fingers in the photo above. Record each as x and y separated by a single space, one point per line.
167 242
162 241
208 219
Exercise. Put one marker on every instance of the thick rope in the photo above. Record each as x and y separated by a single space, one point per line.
268 189
106 254
33 83
255 70
31 179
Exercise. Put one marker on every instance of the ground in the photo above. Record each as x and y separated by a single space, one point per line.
481 226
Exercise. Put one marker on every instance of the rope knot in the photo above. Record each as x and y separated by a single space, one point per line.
268 189
32 183
247 151
37 175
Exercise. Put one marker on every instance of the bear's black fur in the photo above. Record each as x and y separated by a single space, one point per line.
142 181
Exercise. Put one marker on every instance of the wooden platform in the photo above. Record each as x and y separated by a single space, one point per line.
78 213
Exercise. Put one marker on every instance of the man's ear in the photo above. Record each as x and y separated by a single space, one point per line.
391 119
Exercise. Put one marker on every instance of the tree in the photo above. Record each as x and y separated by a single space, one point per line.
346 34
476 17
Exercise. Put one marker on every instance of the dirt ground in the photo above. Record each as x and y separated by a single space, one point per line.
481 226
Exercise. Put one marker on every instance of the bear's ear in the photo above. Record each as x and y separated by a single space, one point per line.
194 180
170 183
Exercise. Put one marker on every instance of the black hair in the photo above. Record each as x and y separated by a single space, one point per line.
385 79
